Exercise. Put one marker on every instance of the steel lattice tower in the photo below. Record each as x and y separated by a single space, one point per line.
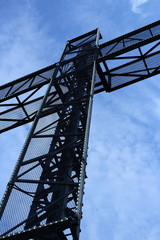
43 199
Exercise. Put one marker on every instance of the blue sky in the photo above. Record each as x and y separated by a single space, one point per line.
122 192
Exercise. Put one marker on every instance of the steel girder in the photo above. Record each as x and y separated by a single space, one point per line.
122 61
130 58
48 181
21 99
49 187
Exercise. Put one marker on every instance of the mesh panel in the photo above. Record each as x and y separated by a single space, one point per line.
131 64
153 62
48 173
130 39
17 115
18 200
137 68
156 30
87 39
27 83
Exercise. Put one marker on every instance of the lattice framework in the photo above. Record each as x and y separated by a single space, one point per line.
50 173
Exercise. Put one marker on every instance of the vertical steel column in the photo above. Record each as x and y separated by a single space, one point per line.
43 199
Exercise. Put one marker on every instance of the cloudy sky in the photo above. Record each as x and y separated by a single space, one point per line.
122 193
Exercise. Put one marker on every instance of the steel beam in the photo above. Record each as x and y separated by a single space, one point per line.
21 99
48 180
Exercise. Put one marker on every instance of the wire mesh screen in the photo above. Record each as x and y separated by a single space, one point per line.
130 39
135 71
21 109
49 173
130 58
26 83
21 99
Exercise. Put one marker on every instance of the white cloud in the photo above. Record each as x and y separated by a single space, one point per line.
123 167
123 191
136 4
24 48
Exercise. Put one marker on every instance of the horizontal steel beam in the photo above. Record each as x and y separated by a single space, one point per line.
130 41
16 111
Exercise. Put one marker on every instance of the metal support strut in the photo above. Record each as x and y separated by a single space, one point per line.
48 180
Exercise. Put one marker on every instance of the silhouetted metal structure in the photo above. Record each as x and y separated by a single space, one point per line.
43 199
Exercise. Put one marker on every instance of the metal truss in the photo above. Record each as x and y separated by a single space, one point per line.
21 99
130 58
48 181
122 61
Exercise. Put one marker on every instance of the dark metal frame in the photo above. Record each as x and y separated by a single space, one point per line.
129 52
53 160
16 111
56 174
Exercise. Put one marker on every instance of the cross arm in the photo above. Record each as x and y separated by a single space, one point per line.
130 58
